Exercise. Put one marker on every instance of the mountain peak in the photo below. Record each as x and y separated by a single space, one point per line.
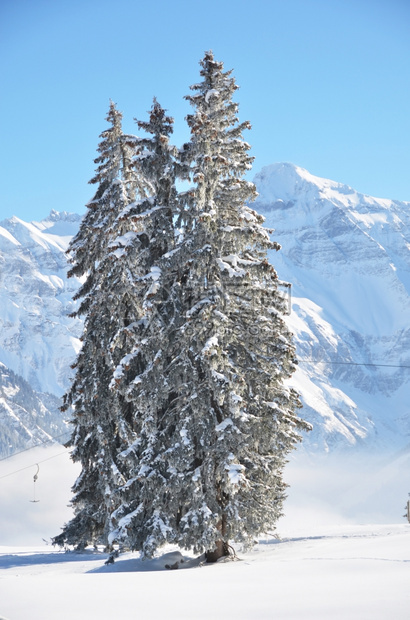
61 216
347 256
59 223
283 181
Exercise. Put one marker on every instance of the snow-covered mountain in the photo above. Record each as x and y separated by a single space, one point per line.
347 256
38 340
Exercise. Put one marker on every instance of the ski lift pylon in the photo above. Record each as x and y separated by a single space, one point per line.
35 477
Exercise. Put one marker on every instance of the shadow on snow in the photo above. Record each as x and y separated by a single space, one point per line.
11 560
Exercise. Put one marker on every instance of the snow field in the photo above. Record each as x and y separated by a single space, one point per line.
357 572
332 561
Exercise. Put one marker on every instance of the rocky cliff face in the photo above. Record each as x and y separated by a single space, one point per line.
348 258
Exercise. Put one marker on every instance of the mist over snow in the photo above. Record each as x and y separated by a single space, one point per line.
23 522
325 491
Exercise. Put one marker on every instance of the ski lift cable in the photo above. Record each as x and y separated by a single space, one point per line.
33 465
300 361
39 445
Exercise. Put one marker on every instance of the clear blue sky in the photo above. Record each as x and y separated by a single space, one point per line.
325 84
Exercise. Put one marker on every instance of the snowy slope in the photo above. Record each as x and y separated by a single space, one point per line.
37 338
359 573
27 418
347 256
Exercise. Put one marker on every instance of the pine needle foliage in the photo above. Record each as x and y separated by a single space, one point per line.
139 377
99 415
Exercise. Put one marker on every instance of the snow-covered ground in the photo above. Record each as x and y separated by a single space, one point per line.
352 572
343 552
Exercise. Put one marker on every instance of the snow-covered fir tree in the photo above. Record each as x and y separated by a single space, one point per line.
234 351
140 376
216 418
100 416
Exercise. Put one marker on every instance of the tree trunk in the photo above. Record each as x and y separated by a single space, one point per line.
221 546
221 550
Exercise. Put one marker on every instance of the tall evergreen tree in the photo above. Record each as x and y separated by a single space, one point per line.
139 375
235 351
100 415
216 417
